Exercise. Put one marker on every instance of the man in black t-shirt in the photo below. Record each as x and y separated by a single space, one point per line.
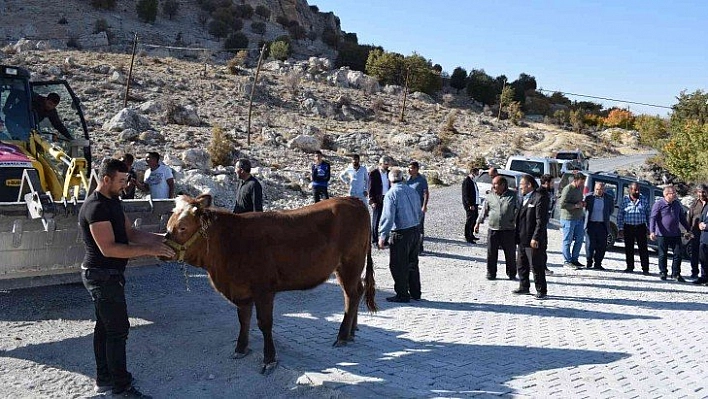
249 193
110 240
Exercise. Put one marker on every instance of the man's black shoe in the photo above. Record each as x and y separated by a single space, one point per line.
598 267
540 296
520 291
490 277
397 299
680 279
549 271
131 392
589 266
694 275
662 276
576 263
701 281
512 278
645 272
628 270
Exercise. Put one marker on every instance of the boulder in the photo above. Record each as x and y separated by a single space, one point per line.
150 107
419 95
183 115
196 158
127 118
393 89
305 143
151 136
128 135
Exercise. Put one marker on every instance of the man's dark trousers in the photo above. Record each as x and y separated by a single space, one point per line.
596 243
532 259
110 331
403 262
664 244
506 240
375 219
636 233
470 222
696 260
320 193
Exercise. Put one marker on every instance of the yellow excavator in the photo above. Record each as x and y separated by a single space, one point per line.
45 175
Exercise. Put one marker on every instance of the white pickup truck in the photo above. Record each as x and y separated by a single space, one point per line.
572 160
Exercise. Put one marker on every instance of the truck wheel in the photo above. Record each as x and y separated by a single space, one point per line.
612 236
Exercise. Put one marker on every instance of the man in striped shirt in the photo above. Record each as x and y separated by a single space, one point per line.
632 222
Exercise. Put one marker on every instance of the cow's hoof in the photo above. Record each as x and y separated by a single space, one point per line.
269 367
241 355
339 343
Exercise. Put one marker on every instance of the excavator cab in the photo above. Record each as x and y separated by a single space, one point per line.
45 175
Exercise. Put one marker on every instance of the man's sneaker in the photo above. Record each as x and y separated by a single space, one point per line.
577 264
569 265
131 392
540 296
102 387
679 279
549 271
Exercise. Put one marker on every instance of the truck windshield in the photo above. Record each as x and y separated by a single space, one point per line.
15 110
566 156
533 168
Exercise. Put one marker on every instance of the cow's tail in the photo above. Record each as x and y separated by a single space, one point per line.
369 283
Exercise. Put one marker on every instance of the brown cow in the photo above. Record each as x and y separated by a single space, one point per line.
251 256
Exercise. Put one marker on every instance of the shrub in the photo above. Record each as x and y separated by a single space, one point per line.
170 8
237 25
103 4
237 61
147 10
236 41
515 113
243 11
282 20
218 28
620 118
292 82
73 42
653 130
258 27
280 50
100 26
63 21
262 11
450 120
220 148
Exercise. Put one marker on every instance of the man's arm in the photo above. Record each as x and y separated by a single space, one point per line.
102 233
257 197
58 124
564 199
388 215
465 193
426 196
343 175
620 214
541 217
171 185
141 237
653 216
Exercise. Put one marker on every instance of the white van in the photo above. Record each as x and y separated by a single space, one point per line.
535 166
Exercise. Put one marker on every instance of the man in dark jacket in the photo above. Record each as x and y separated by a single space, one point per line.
378 186
600 206
249 194
697 210
532 237
320 177
470 201
703 248
46 107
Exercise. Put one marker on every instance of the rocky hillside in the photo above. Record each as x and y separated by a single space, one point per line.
299 107
73 22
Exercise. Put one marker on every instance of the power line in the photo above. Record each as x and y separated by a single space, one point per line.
605 98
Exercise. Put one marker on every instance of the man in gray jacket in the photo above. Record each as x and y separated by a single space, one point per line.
501 206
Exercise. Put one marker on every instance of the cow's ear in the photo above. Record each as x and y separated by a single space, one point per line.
204 201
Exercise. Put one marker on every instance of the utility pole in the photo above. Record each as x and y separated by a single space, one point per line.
250 101
130 71
405 94
500 99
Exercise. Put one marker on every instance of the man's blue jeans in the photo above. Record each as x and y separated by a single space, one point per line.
573 232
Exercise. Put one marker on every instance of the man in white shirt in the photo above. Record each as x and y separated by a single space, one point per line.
357 178
158 178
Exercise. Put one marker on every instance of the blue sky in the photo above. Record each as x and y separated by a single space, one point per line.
643 51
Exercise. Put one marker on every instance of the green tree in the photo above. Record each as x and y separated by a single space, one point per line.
481 87
258 27
560 99
103 4
506 96
422 76
353 55
263 11
685 153
577 120
244 11
280 50
458 79
235 42
690 107
523 85
170 8
387 68
653 130
147 10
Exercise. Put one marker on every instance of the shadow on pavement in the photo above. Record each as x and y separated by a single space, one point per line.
201 327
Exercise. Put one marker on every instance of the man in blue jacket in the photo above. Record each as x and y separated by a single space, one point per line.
600 206
320 177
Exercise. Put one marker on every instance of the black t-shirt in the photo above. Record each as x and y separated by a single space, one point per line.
98 208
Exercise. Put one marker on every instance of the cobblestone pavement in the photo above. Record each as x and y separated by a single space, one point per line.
600 334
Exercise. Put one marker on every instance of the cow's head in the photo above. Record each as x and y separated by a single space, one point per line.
187 220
